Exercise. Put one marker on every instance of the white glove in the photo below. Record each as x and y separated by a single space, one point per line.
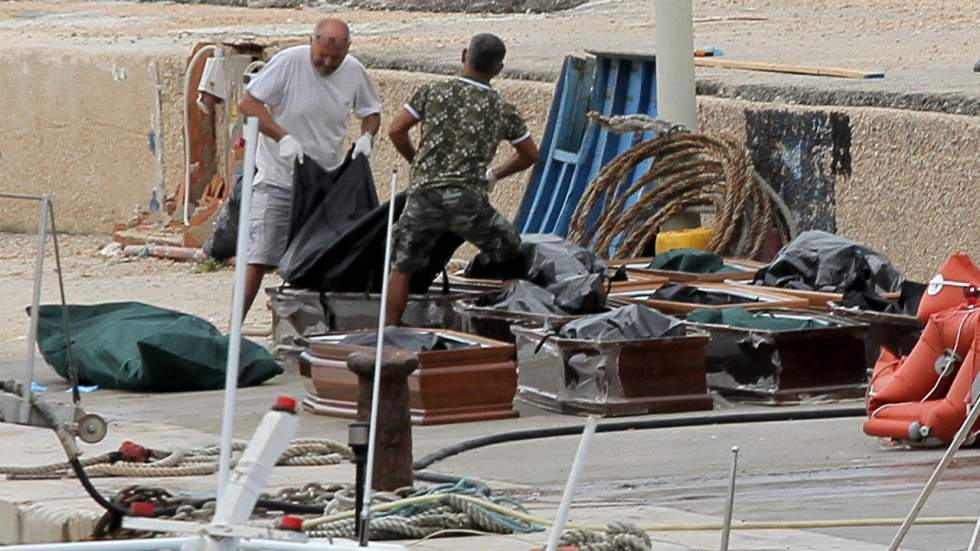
491 180
362 145
290 150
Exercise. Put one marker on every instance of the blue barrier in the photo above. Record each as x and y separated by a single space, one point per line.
575 151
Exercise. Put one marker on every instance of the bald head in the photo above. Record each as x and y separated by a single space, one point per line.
329 45
332 30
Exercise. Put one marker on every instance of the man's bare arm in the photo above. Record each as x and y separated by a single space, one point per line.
398 133
371 124
248 106
524 157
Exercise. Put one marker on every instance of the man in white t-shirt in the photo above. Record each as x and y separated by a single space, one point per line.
303 98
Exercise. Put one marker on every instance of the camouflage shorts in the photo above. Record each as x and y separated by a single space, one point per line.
465 212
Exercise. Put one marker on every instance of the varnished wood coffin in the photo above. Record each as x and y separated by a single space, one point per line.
450 386
630 377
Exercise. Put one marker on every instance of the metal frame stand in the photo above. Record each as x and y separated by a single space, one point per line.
238 489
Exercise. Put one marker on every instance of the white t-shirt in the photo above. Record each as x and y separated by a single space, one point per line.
312 108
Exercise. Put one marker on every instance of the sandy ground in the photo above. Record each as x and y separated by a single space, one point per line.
922 46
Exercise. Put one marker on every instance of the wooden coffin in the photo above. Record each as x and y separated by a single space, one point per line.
632 377
754 299
818 300
298 313
781 366
747 268
496 324
899 333
450 386
636 279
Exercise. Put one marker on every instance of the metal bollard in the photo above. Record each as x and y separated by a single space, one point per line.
393 455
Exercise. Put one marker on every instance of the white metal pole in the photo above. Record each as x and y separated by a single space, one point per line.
577 466
376 386
920 502
676 102
730 505
237 307
42 232
975 538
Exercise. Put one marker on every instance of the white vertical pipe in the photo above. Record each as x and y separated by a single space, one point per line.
577 466
730 505
376 382
237 306
676 102
42 232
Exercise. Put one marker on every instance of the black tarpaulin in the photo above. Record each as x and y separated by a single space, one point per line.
627 322
224 237
581 294
324 206
404 338
547 260
906 304
353 262
523 296
692 295
821 261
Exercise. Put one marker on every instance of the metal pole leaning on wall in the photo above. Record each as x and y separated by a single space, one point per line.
42 230
676 101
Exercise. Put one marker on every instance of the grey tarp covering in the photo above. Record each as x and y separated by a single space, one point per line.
821 261
625 323
523 296
692 295
135 346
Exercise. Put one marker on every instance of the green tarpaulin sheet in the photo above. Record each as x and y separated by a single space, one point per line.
739 317
691 261
135 346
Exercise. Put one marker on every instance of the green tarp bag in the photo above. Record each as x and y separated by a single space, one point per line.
744 319
691 261
135 346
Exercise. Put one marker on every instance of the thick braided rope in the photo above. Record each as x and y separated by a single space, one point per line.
688 170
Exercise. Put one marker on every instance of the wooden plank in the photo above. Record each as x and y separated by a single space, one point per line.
784 68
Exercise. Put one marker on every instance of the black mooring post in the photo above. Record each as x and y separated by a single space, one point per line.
357 439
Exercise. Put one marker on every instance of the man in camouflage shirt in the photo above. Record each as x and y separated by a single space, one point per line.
463 121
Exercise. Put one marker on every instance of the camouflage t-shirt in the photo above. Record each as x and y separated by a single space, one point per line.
463 122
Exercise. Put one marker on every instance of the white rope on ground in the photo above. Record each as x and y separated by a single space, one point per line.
201 461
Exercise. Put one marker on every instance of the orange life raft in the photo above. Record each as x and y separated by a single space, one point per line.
925 395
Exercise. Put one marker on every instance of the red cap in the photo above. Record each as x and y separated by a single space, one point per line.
285 403
142 509
240 142
291 523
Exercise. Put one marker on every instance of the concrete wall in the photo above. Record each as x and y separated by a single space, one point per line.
87 127
904 182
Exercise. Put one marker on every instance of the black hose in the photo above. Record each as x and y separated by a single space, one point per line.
787 414
289 508
76 465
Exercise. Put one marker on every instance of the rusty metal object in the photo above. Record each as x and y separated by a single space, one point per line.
781 366
632 377
393 447
449 386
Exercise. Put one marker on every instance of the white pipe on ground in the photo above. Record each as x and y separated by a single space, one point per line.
237 307
676 102
577 466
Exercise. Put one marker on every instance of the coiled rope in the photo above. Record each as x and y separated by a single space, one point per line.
688 170
619 536
304 452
